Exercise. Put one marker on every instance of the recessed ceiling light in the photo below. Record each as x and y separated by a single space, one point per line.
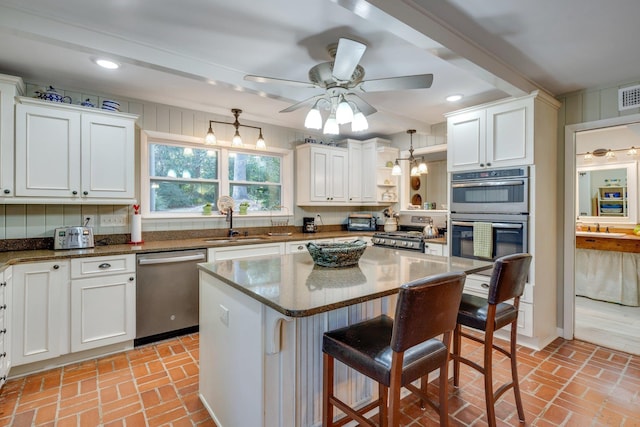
454 98
108 64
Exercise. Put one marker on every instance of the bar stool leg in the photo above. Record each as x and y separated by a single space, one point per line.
488 374
383 393
457 344
443 394
327 380
514 371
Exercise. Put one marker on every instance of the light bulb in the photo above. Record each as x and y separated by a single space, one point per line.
359 122
237 140
396 171
260 142
588 156
313 119
422 168
414 171
331 126
610 155
344 113
210 139
632 151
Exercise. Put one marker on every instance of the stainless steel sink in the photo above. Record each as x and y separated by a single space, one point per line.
236 239
598 234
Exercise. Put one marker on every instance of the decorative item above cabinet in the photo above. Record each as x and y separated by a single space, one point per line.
71 154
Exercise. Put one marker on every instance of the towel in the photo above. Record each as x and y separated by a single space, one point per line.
482 239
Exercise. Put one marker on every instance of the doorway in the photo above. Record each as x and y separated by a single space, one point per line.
589 316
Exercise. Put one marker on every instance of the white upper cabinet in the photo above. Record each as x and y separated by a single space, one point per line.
68 154
499 135
322 174
10 87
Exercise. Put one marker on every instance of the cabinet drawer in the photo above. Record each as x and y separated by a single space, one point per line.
101 266
479 285
301 246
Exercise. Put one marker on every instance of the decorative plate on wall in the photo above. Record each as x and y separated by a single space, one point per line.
415 182
416 200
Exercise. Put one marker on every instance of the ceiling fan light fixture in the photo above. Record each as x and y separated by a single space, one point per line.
359 122
331 126
344 113
313 119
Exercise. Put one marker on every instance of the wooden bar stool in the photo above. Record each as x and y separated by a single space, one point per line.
488 315
397 352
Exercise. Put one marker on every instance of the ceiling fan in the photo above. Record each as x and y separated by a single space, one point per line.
342 80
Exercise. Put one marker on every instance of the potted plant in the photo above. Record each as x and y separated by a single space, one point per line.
244 206
206 209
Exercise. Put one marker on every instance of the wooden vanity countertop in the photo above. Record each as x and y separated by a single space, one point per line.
628 243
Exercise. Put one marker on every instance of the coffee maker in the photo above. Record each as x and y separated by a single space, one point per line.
309 225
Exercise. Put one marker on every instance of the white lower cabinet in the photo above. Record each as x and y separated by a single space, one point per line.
6 286
244 251
103 301
69 306
41 311
436 249
301 246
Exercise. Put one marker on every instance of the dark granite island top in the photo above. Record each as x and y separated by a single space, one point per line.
292 285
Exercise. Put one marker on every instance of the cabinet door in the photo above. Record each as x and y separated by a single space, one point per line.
320 178
41 311
355 172
510 134
8 91
103 311
339 176
107 157
368 172
466 141
47 152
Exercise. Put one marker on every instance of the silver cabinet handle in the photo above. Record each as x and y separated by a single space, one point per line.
3 307
485 285
3 331
131 279
147 261
104 265
300 247
55 267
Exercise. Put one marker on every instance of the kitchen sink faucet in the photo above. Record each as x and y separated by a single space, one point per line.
232 232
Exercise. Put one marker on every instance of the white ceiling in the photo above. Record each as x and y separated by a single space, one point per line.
195 53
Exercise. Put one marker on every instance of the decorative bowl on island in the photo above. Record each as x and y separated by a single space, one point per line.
342 254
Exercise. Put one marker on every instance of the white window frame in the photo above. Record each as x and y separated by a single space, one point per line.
223 149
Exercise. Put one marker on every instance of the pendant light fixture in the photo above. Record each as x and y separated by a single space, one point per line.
236 141
416 169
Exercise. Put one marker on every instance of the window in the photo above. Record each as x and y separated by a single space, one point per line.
179 175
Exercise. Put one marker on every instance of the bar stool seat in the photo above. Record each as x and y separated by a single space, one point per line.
396 352
473 313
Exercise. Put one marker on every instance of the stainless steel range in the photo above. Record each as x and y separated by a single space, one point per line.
409 235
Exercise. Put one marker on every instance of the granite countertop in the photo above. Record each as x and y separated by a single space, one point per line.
15 257
294 286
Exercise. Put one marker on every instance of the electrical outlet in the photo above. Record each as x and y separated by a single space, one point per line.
113 220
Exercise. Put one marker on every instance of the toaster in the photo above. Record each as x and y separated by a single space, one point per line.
73 238
361 222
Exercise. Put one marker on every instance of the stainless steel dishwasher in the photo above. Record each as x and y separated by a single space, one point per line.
167 294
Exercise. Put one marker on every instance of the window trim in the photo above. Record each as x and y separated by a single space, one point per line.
153 137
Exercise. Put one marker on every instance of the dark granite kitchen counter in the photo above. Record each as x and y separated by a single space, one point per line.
294 286
15 257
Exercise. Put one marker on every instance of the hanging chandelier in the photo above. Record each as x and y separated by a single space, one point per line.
417 168
211 139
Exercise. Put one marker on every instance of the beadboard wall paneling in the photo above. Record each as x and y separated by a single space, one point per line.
32 221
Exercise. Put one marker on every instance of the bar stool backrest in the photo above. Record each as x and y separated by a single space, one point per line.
508 277
426 308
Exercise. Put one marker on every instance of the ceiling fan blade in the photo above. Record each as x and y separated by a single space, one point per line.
362 105
348 56
307 102
262 79
420 81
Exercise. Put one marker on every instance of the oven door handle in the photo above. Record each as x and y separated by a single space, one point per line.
487 184
493 224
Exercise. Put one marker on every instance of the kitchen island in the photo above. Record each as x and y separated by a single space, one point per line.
261 326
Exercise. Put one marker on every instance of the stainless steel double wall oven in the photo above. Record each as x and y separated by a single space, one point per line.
496 196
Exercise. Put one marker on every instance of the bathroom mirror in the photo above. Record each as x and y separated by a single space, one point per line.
607 193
